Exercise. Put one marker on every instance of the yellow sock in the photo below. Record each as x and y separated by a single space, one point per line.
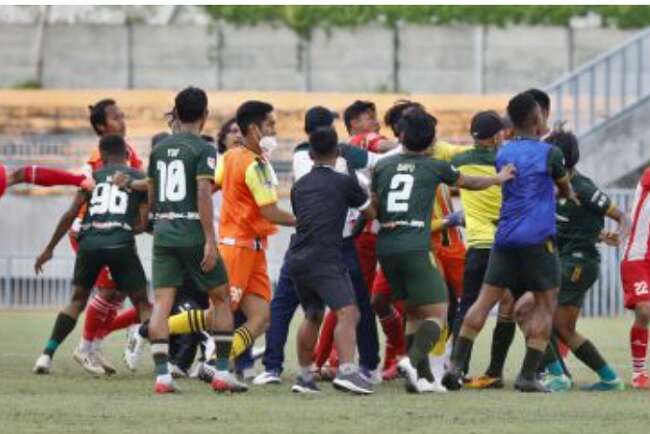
242 339
190 321
439 348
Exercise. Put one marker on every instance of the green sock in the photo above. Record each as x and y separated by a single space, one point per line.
589 355
423 340
160 353
554 368
504 334
63 325
461 352
223 347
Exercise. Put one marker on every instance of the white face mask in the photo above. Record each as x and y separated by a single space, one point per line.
268 145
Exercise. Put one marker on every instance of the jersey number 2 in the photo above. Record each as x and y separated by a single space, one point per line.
172 186
108 198
401 186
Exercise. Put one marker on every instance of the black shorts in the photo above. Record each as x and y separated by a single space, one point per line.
529 268
123 263
476 263
331 286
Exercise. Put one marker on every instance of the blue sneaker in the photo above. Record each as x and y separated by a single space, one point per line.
605 386
557 383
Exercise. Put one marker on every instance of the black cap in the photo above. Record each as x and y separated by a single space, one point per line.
319 116
486 124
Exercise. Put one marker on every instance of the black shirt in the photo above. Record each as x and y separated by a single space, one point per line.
320 202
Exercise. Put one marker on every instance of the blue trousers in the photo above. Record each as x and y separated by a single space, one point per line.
285 302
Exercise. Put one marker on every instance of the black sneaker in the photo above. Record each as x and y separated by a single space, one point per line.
305 386
206 372
530 385
453 379
353 383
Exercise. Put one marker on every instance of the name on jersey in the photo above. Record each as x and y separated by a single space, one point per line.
406 167
173 153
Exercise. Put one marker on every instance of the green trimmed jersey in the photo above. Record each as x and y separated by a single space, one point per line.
405 185
175 167
112 212
579 227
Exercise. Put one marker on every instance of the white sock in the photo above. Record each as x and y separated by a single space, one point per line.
347 368
306 373
85 345
97 344
165 378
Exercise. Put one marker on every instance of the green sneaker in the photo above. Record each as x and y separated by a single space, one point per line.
605 386
557 383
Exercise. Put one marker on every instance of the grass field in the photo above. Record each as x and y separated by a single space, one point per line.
70 401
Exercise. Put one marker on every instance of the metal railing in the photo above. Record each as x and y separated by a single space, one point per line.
604 86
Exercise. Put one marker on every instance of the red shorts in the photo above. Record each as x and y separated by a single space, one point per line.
3 179
380 286
104 280
636 282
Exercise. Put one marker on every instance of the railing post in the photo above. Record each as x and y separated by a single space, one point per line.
592 96
608 77
560 103
576 105
623 77
639 69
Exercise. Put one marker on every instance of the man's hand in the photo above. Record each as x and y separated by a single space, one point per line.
41 260
455 219
88 184
210 256
610 238
506 173
120 179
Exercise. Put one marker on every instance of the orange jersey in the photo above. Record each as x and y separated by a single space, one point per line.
442 207
248 182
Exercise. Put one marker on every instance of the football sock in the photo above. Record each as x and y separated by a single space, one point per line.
63 325
160 352
532 359
325 339
589 355
462 351
306 373
223 348
423 340
86 345
502 337
144 329
242 339
638 345
122 320
97 313
190 321
47 177
393 327
554 368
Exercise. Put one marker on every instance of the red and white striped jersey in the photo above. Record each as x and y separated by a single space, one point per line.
637 246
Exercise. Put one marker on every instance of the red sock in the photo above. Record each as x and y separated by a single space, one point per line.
562 348
333 360
393 327
639 346
325 340
97 313
47 177
121 321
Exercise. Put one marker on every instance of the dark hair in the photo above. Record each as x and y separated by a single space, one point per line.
252 112
567 142
222 134
542 98
155 140
393 115
417 129
190 104
98 113
323 140
208 138
521 109
112 145
355 110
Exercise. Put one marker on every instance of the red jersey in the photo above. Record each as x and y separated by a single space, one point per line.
367 141
637 246
95 160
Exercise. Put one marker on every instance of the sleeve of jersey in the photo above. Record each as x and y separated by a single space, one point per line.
356 158
302 164
556 164
446 151
449 174
134 160
260 184
207 161
219 171
595 199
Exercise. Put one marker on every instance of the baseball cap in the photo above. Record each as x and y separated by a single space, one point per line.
319 116
486 124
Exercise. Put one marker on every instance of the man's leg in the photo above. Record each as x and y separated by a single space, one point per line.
159 337
392 323
305 343
639 345
425 324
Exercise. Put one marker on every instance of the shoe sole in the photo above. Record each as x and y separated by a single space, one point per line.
347 386
530 389
222 387
296 388
266 383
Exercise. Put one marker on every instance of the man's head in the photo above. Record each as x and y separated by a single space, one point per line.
191 106
361 118
417 130
487 129
229 136
393 115
567 142
526 115
107 118
323 143
113 150
543 100
256 120
318 116
155 140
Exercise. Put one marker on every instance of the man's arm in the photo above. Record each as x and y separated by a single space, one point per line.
142 219
615 238
482 182
65 222
276 215
565 189
206 215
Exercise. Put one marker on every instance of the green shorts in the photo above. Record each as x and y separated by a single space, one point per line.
578 276
123 263
414 277
171 264
529 268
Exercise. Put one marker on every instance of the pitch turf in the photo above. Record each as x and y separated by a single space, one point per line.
70 401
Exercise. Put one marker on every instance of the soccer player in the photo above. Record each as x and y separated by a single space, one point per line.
43 176
106 239
579 229
524 251
635 276
404 187
181 171
320 201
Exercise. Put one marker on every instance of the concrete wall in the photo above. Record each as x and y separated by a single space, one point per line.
423 59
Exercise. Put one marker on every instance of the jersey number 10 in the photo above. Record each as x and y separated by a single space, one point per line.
108 198
401 186
172 186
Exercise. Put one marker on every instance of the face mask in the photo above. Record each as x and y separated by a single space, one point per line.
268 144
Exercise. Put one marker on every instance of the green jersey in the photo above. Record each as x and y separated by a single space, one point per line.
175 166
578 227
112 212
405 185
